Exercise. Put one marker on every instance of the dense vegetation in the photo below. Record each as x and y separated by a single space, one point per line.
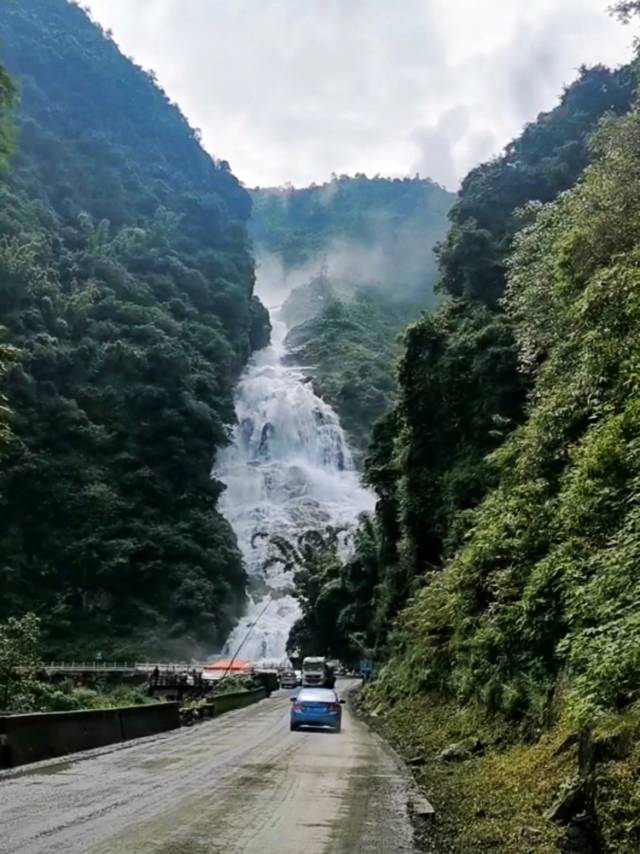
533 621
126 289
461 389
498 579
545 581
359 252
7 135
375 231
24 686
351 341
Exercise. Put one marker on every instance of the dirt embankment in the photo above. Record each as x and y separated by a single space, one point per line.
498 789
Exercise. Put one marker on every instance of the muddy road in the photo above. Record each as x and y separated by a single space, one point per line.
240 784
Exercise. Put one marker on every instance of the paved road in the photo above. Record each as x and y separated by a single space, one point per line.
241 784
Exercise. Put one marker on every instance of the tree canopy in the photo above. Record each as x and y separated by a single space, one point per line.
545 582
375 231
476 464
126 284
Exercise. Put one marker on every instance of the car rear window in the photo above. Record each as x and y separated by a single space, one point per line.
317 695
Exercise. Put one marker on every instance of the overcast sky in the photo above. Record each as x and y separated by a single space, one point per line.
292 90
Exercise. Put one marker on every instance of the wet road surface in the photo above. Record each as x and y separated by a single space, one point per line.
241 784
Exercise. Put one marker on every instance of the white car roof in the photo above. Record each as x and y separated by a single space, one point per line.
326 695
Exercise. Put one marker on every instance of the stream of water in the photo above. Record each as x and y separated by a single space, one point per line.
288 469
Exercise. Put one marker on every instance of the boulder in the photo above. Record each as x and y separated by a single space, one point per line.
460 751
454 753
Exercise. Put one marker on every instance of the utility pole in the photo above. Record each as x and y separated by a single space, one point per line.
247 636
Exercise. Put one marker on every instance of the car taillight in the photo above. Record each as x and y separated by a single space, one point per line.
297 707
334 707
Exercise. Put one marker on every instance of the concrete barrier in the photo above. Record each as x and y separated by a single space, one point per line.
30 738
33 737
221 703
139 721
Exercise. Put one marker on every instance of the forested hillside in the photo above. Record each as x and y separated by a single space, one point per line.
126 296
7 135
461 388
375 231
499 576
545 582
352 343
534 616
357 256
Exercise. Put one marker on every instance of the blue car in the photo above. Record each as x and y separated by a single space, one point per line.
317 707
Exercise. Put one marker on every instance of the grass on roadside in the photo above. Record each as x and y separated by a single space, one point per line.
496 800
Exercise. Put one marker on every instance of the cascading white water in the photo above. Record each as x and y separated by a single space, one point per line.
287 470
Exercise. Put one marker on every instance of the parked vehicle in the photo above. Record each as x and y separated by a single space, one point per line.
316 707
317 673
288 679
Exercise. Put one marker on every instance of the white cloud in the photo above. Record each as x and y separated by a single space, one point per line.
292 90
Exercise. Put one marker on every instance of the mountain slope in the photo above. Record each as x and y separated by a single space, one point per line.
531 629
461 390
369 231
351 345
497 585
356 257
126 284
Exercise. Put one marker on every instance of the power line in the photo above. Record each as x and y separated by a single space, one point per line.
247 636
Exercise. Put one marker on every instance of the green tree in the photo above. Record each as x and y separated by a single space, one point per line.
544 587
126 287
320 586
461 389
19 654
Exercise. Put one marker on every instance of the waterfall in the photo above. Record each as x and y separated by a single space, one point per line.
288 469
